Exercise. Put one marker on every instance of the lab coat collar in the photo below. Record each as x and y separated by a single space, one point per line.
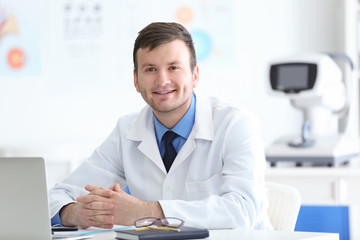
203 126
143 131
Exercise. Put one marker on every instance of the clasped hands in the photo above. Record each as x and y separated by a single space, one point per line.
104 207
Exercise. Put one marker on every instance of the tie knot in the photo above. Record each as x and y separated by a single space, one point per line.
169 136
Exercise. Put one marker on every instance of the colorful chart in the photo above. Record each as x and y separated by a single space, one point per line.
208 23
202 43
19 38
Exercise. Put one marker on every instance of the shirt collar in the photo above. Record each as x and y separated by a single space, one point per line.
182 128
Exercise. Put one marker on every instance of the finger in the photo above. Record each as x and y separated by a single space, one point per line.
84 222
82 219
84 199
91 187
96 190
112 187
103 206
106 193
91 213
117 188
91 198
102 219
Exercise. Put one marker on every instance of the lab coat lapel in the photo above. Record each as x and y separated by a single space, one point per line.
202 129
143 131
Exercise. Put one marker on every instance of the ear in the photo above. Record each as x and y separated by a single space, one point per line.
136 82
195 76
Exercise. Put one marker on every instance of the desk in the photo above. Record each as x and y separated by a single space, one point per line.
249 235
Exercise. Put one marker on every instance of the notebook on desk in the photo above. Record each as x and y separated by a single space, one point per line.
24 211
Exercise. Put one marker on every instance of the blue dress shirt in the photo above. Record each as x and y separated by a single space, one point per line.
182 128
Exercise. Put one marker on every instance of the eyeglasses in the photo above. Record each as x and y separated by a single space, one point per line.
169 223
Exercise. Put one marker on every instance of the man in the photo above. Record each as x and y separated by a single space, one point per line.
217 177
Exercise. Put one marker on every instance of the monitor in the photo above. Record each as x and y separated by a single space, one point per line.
293 77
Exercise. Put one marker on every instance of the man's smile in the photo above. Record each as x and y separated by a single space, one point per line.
164 92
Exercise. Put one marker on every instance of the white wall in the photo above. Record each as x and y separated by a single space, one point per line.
84 86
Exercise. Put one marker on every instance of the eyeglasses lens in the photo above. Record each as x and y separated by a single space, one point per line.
171 222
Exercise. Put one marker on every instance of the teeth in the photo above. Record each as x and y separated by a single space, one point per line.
164 92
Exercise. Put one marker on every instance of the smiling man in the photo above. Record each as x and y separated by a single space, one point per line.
183 155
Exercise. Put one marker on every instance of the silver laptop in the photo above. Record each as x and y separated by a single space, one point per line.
24 211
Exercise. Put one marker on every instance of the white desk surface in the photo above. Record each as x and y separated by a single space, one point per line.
249 235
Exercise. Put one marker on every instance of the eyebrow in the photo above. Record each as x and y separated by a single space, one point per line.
147 65
153 65
175 62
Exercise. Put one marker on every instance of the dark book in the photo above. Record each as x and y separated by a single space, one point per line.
149 234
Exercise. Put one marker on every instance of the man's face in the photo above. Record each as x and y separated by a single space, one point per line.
164 77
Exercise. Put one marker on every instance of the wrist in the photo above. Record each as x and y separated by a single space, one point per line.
153 209
68 215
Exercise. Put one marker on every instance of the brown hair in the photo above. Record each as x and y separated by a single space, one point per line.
158 33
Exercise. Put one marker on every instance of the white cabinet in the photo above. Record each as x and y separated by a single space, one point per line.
324 186
320 185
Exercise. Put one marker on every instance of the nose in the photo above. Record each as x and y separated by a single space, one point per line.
163 78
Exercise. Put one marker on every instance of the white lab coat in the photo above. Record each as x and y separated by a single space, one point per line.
216 180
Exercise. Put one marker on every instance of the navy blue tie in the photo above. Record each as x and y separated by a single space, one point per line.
170 152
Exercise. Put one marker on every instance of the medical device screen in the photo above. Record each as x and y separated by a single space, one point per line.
292 77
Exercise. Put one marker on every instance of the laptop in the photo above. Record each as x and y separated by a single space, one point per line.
24 210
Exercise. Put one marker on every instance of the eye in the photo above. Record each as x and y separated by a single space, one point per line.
173 68
150 70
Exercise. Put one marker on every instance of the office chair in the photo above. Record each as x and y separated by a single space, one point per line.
284 206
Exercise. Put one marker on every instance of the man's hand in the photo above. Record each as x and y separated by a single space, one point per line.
105 207
75 214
